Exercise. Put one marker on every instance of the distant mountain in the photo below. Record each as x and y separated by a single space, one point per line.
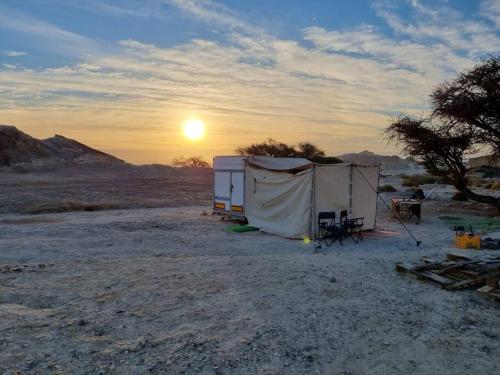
484 161
19 148
392 164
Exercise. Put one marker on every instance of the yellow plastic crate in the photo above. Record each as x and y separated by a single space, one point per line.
465 241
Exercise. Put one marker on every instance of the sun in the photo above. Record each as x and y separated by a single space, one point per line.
194 129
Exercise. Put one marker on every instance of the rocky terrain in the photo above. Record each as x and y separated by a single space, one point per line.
172 291
18 149
93 187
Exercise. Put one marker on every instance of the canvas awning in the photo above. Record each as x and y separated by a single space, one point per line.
279 164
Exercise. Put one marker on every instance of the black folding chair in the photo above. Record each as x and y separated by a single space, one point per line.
328 231
351 227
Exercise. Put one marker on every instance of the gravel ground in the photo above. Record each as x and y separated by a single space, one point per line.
170 290
91 188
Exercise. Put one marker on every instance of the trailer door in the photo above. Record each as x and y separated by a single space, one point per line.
237 192
222 191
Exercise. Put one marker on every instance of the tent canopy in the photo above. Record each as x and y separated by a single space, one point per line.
279 164
287 204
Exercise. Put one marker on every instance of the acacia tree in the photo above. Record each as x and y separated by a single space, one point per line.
471 102
306 150
465 119
192 162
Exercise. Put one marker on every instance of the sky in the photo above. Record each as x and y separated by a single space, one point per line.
124 76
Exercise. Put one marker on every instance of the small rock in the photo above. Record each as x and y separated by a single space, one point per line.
82 322
332 279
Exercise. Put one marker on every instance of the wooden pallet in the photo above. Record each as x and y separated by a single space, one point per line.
458 272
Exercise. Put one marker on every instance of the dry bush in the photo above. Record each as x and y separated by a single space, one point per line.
69 206
387 189
410 182
493 186
31 220
419 179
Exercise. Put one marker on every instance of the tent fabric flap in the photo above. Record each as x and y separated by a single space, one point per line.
279 164
279 202
331 189
364 194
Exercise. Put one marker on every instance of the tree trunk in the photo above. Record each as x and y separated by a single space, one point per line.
488 199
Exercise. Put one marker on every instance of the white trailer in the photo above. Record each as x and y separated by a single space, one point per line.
229 185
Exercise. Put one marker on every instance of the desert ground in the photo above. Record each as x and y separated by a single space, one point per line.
171 290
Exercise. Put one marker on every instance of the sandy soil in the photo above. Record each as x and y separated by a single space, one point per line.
170 290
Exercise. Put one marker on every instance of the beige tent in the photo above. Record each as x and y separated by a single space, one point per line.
283 196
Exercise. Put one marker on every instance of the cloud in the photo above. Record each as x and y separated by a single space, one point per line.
9 66
337 88
126 8
14 53
54 38
215 14
491 9
432 25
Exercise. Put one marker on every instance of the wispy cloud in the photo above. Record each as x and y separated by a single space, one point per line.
491 9
441 24
214 14
125 8
14 53
9 66
56 39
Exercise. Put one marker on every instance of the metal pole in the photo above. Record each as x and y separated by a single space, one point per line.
417 242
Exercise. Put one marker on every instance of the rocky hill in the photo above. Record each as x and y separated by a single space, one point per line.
392 164
20 149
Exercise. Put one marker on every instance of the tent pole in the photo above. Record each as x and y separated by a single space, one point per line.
312 227
417 242
376 204
350 189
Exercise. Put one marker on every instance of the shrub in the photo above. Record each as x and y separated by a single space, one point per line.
387 189
459 196
69 206
410 182
192 162
426 179
494 186
419 179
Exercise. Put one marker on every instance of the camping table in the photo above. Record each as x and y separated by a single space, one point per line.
406 208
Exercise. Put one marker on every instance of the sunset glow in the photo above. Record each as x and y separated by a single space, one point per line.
194 129
334 76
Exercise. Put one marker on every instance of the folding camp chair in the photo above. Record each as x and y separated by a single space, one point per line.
352 227
328 231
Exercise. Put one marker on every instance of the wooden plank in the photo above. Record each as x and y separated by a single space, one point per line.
433 277
402 267
426 266
451 256
485 289
461 284
457 265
